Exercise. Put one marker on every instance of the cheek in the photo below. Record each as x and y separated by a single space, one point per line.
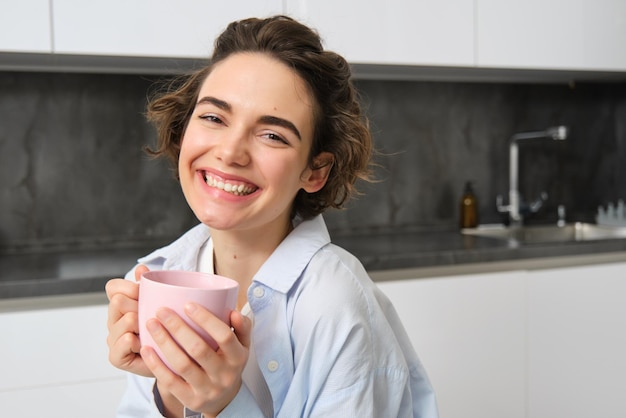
188 148
182 160
188 153
290 175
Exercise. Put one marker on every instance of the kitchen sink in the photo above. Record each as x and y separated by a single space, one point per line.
570 232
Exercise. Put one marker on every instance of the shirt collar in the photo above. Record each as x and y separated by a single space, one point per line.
279 272
181 254
283 268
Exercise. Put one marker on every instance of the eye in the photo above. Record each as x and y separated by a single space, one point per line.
209 117
274 137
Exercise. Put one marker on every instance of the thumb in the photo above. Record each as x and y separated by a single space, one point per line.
139 271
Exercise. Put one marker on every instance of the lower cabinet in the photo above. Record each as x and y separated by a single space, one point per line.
536 344
577 342
469 331
55 364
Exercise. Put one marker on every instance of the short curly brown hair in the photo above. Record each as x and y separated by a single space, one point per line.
340 126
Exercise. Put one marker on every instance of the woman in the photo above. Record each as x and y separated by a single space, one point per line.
265 139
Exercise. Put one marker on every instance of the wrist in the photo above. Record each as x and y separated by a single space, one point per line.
168 405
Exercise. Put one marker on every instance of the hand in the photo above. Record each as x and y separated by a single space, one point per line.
123 325
204 380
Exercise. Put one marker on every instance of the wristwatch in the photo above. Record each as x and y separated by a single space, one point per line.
188 413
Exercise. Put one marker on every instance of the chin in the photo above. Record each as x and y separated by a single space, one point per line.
214 222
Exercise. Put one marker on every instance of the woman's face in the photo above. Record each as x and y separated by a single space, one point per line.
244 153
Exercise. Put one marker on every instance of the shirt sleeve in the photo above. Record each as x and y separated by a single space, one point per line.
138 400
243 405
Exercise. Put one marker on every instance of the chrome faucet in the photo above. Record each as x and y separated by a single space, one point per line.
515 202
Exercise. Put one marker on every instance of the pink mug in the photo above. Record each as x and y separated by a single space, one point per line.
174 289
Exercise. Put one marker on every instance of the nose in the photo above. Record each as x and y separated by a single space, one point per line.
233 148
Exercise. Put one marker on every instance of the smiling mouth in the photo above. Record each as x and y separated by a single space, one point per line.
233 187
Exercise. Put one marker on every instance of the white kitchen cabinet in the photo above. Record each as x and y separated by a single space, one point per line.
529 34
555 34
25 26
148 28
535 343
421 32
578 35
55 364
470 333
577 341
604 26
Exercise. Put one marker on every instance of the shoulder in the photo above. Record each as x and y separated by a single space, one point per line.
335 268
335 290
336 285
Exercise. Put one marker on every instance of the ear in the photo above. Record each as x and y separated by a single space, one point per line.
314 178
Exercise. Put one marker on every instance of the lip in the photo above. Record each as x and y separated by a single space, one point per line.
226 177
218 175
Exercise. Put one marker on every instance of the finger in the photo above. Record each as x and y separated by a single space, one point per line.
174 337
116 333
124 354
115 286
123 338
229 345
139 271
123 295
168 381
157 367
127 322
121 304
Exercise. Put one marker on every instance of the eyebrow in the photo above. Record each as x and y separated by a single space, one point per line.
216 102
276 121
266 119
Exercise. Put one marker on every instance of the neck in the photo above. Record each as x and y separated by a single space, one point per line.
240 254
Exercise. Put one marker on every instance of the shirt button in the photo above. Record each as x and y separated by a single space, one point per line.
272 365
258 292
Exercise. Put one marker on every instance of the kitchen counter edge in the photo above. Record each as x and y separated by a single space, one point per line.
386 257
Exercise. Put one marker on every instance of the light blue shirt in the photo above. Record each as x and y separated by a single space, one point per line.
328 342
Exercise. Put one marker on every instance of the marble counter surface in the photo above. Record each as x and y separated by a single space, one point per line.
83 272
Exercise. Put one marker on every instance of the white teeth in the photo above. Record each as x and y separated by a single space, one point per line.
238 190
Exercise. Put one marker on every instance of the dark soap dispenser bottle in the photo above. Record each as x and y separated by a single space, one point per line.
469 208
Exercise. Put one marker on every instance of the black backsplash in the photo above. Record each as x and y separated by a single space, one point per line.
72 170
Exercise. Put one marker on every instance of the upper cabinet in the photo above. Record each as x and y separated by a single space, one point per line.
451 36
25 26
604 27
556 34
154 28
420 32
